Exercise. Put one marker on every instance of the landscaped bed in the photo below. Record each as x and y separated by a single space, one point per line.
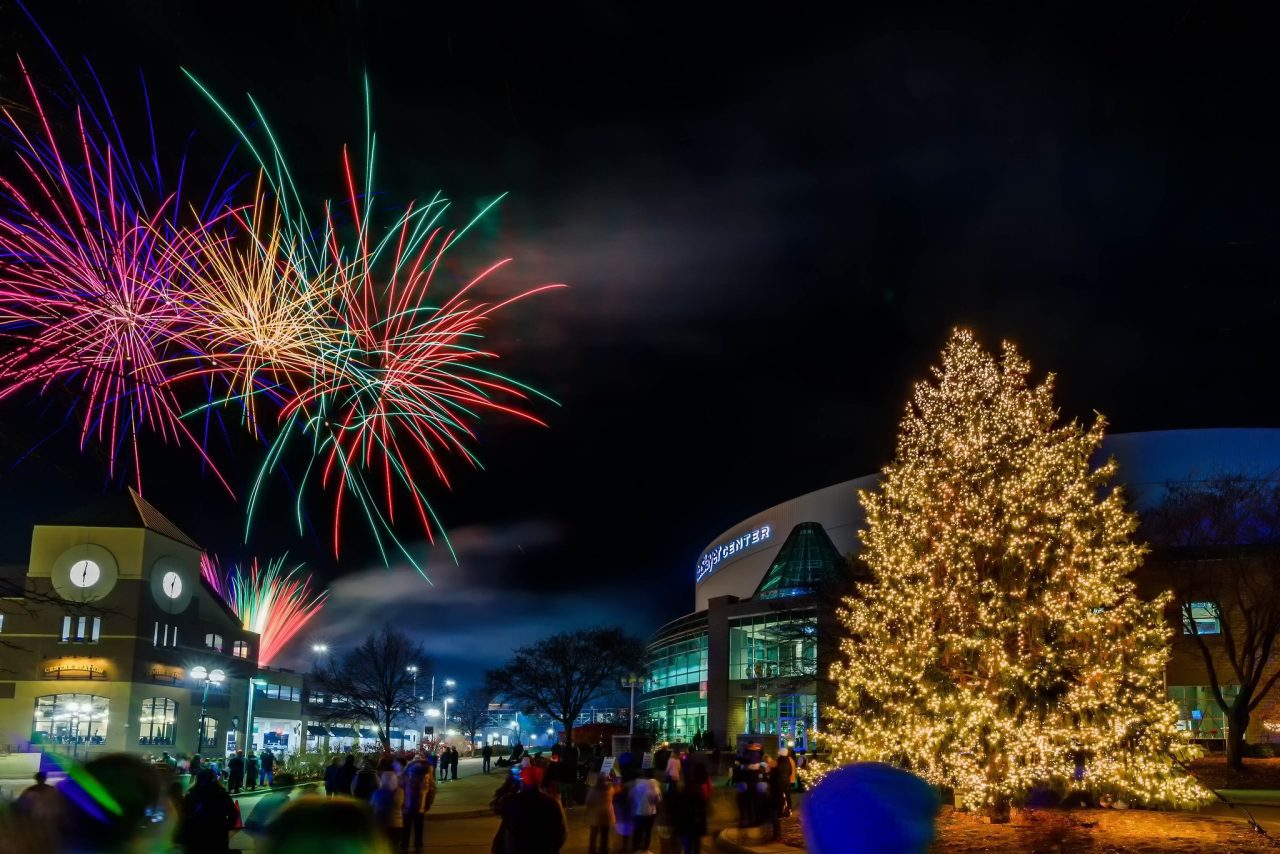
1257 774
1110 831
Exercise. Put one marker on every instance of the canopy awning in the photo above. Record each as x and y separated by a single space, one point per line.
342 732
317 730
397 734
368 733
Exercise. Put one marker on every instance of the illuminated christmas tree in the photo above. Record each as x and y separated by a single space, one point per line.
1000 645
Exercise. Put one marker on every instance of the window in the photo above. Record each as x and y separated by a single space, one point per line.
280 692
208 732
1204 619
164 634
213 642
81 629
240 649
70 719
1198 711
158 720
1 622
770 646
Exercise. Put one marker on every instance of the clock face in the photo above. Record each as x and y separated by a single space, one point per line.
171 583
85 573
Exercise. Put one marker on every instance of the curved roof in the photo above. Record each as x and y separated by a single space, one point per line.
736 562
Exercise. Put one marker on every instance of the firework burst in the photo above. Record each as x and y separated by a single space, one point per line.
83 279
395 382
271 601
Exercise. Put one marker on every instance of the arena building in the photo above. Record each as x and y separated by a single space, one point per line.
750 657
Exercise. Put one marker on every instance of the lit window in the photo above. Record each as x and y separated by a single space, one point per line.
158 721
1203 619
164 635
70 719
82 630
1 622
240 649
213 642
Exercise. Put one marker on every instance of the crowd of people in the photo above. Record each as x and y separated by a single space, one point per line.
652 802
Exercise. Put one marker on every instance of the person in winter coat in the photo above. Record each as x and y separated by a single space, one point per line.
388 808
690 813
645 797
453 763
486 756
533 822
778 782
251 771
600 814
268 773
365 784
419 793
235 772
346 776
331 777
208 816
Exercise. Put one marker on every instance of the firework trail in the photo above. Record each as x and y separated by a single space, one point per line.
83 277
270 601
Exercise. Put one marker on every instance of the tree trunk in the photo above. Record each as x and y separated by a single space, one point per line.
998 811
568 731
1237 726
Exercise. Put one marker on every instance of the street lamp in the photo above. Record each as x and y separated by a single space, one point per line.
413 668
200 673
632 681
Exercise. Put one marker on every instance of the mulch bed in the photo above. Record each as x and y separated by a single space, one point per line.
1047 831
1257 774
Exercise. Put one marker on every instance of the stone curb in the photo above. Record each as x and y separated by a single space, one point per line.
724 843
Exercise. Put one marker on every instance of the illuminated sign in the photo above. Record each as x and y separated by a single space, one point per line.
711 558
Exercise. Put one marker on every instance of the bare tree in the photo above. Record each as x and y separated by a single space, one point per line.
560 675
18 597
472 712
372 682
1220 555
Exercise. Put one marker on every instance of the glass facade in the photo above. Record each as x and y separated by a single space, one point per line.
773 646
683 662
70 719
789 716
807 560
678 717
1198 712
674 705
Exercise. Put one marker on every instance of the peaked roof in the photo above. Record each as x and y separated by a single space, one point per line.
158 522
806 559
116 510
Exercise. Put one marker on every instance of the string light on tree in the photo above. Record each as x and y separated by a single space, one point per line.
1000 645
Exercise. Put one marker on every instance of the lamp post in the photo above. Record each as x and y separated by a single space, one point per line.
413 668
631 681
433 714
200 673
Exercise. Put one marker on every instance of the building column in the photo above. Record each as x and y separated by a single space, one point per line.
718 668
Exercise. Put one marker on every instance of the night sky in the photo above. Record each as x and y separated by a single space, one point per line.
769 219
